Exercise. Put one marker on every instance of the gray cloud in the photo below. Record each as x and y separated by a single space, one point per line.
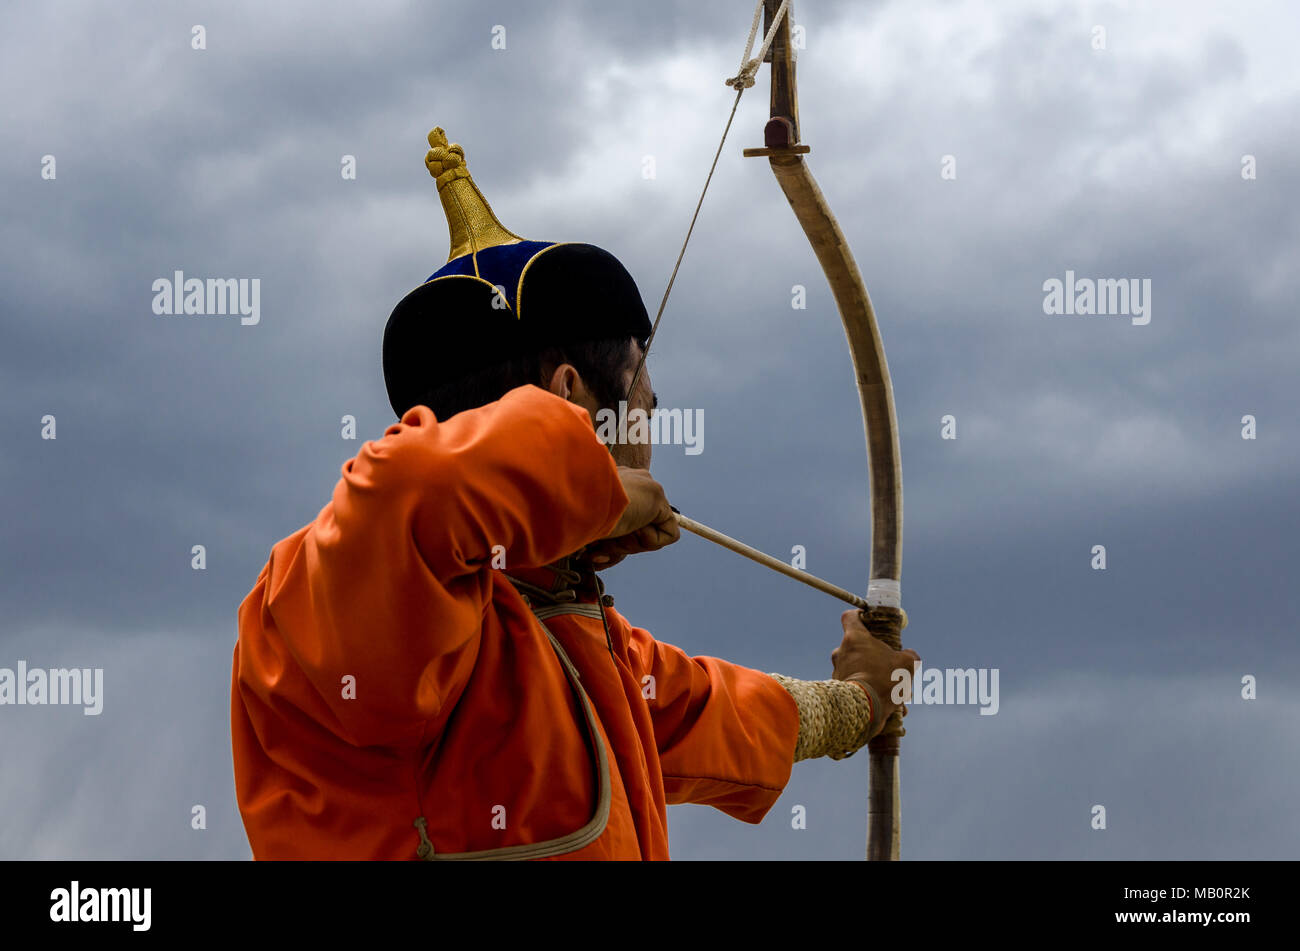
1072 432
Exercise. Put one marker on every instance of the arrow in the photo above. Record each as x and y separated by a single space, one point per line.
776 564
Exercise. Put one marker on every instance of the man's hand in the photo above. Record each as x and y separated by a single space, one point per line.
861 656
646 524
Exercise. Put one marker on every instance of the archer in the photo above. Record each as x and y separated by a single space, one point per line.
395 695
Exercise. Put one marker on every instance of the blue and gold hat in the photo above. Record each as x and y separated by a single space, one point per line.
499 296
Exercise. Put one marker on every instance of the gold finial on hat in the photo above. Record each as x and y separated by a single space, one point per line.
470 221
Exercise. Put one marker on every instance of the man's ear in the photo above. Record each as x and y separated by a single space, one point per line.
564 381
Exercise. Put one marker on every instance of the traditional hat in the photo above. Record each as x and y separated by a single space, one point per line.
499 296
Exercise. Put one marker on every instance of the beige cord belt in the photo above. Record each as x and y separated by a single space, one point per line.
593 829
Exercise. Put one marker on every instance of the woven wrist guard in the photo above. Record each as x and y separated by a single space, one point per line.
835 716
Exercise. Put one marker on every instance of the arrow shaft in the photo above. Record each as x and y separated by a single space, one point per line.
753 554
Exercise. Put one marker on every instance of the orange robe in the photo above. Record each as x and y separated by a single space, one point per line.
386 671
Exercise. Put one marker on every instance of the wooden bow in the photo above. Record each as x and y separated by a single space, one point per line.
884 617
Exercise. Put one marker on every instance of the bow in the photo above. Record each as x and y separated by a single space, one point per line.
881 611
884 616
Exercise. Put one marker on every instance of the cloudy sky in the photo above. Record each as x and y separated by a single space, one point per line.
1107 139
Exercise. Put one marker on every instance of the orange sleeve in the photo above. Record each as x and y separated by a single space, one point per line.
726 734
391 581
525 473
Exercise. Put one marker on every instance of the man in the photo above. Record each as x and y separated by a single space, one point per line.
431 669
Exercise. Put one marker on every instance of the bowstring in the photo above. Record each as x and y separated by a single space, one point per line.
741 81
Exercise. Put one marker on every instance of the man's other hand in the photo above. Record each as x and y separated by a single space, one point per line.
647 524
861 656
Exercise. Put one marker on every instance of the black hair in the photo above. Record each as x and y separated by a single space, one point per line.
603 364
